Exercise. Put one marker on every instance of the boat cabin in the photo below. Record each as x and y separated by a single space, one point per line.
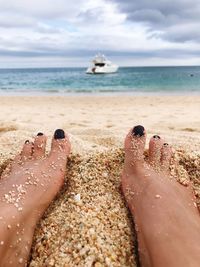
99 64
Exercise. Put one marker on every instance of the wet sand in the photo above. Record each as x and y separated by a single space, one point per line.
88 224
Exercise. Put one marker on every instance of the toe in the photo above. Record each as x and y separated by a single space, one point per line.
60 147
135 144
27 150
39 146
166 154
155 146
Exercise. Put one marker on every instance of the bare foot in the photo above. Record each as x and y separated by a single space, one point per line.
167 221
25 193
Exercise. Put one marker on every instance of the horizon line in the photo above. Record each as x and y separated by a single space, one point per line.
79 67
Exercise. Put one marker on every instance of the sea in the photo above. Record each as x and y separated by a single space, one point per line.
128 80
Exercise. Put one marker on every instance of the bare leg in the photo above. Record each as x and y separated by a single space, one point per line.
167 221
25 193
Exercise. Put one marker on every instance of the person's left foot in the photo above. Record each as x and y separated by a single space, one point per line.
25 193
166 219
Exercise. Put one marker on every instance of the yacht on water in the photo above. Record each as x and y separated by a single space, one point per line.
101 65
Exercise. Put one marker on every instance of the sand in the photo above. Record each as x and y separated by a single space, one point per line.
89 224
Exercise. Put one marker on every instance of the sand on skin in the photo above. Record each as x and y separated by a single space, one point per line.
97 229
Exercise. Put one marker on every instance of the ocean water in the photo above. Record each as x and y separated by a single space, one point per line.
133 80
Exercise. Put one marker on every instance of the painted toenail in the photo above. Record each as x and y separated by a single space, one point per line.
59 134
156 137
27 142
138 130
40 134
165 144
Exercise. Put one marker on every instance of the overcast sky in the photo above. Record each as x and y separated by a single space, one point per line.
47 33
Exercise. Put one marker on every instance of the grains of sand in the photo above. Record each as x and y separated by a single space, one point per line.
99 232
89 224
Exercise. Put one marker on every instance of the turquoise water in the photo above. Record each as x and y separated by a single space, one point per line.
135 80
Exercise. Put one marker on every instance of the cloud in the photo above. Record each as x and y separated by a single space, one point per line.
182 33
45 9
172 11
9 20
132 30
168 17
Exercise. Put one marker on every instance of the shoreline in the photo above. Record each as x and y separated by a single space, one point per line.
88 93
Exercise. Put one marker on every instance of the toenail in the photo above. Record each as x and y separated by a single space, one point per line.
156 137
59 134
138 130
27 142
40 134
165 144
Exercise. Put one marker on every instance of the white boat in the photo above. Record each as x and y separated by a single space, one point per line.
101 65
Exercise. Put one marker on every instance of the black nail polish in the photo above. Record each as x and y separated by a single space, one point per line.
59 134
26 142
138 130
165 144
40 134
156 137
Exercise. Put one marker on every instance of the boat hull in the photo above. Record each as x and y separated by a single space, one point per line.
102 70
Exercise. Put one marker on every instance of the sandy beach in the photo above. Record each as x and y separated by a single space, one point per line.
97 230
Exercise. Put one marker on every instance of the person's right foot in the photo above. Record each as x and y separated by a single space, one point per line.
167 221
25 193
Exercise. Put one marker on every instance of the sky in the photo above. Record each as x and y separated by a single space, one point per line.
68 33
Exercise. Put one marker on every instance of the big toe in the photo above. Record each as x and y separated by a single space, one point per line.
135 144
60 147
